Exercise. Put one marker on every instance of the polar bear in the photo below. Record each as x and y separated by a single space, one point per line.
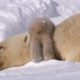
15 51
67 39
34 45
41 42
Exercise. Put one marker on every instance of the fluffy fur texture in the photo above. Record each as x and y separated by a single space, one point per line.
14 51
41 41
67 39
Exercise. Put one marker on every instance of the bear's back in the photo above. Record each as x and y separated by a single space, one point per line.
67 36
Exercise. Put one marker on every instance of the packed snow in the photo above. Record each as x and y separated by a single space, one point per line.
15 17
46 70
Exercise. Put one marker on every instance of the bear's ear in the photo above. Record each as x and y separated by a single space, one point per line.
25 38
2 49
2 46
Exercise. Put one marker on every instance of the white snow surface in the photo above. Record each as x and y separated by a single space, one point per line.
46 70
15 16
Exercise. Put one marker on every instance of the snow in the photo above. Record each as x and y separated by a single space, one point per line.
19 13
15 16
48 70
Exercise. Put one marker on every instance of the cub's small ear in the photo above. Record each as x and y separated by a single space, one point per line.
1 47
25 38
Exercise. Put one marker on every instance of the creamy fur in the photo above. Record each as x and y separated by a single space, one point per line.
67 39
15 51
41 42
